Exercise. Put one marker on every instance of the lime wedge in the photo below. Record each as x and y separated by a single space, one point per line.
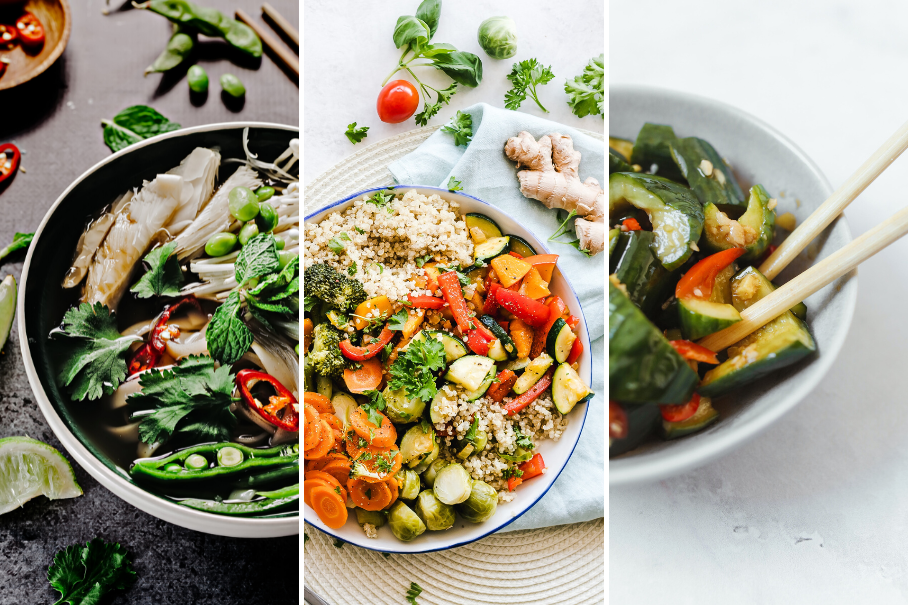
7 307
28 469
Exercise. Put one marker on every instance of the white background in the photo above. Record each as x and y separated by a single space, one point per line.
815 510
349 52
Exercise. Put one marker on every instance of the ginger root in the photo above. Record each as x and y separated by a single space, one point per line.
550 176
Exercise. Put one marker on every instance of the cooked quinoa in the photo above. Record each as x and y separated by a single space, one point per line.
385 241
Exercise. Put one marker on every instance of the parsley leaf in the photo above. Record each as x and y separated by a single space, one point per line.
335 245
351 270
84 574
356 135
358 230
415 591
343 235
428 112
338 543
20 240
512 471
525 77
258 257
95 351
164 276
461 126
398 320
471 434
382 198
376 404
422 260
521 440
454 184
413 369
587 91
227 336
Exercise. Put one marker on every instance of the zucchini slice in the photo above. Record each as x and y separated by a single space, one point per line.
533 373
622 146
676 215
489 249
470 371
701 318
497 352
707 174
617 162
705 415
520 246
488 227
559 341
752 231
652 151
517 365
612 240
568 388
648 283
506 342
642 366
641 422
483 387
454 347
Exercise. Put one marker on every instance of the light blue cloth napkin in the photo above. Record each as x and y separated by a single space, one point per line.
486 172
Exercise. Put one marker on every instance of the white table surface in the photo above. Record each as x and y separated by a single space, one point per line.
814 510
349 52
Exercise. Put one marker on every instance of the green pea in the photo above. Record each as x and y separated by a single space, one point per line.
232 85
248 231
267 218
220 244
286 257
279 243
264 193
197 79
243 204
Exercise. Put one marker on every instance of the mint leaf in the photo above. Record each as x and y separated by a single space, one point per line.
164 276
227 336
20 241
258 257
84 574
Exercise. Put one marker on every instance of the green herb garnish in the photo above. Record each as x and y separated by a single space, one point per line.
356 135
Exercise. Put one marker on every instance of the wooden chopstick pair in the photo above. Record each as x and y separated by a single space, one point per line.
280 52
832 267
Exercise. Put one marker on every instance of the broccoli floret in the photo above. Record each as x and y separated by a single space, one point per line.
326 358
338 291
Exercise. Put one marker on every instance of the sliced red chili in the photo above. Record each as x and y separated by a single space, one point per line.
9 36
631 224
691 350
617 421
148 355
425 302
698 282
681 412
368 351
31 31
283 399
9 155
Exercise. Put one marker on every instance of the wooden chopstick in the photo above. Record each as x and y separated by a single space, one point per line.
829 269
275 48
805 233
281 23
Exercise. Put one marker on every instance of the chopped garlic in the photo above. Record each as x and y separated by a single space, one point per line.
706 167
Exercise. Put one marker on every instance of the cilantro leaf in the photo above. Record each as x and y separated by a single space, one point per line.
471 434
587 91
164 276
20 241
382 198
521 440
258 257
356 135
415 591
84 574
525 77
413 369
398 320
358 230
227 336
461 126
454 184
95 351
335 246
376 404
351 270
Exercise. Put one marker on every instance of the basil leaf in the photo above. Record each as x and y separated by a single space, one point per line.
437 49
118 138
462 67
410 30
430 12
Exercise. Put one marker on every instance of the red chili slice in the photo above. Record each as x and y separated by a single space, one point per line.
9 156
148 355
9 36
617 421
698 282
283 399
31 31
681 412
691 350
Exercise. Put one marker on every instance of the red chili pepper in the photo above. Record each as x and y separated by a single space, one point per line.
576 351
530 311
453 293
767 254
498 390
691 350
530 396
491 305
516 255
283 399
698 282
617 421
631 224
9 158
425 302
351 351
8 36
31 32
149 354
681 412
477 342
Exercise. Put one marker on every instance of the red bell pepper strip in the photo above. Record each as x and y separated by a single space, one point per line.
498 390
681 412
504 324
425 302
691 350
617 421
533 467
556 309
486 333
572 321
698 282
148 355
491 305
31 32
513 482
453 293
351 351
531 312
477 342
283 399
631 224
576 351
530 396
9 158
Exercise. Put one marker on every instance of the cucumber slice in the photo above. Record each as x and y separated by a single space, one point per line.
497 352
701 318
623 146
560 340
454 347
489 249
517 365
706 414
506 342
533 373
641 422
647 281
488 227
653 148
617 162
712 183
752 231
470 371
521 246
568 388
750 285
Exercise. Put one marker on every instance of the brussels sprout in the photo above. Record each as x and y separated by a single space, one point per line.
452 484
421 464
409 483
376 518
404 523
435 514
344 406
400 409
498 37
325 386
417 444
481 504
428 477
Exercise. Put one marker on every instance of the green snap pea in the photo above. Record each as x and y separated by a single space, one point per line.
178 49
243 204
209 22
258 466
248 231
232 85
220 244
267 219
196 462
173 468
264 193
197 79
239 509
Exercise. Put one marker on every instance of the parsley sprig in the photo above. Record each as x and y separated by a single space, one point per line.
415 591
376 404
525 77
413 369
454 184
461 126
356 135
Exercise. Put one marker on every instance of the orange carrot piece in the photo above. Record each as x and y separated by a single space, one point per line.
339 469
369 496
329 506
366 378
319 402
312 429
336 425
383 436
324 446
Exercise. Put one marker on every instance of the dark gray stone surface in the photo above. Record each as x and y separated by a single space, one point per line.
55 120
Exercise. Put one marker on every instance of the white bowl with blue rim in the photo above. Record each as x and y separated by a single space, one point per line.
555 453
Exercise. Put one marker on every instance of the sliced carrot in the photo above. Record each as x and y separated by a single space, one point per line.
336 425
329 480
339 469
366 378
379 462
369 496
395 490
329 506
383 436
523 337
309 485
317 465
319 402
355 444
325 445
312 429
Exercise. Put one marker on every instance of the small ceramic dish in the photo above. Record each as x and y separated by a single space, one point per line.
25 64
758 154
555 453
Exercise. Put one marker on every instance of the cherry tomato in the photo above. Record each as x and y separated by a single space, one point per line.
31 32
681 412
397 101
8 36
9 159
